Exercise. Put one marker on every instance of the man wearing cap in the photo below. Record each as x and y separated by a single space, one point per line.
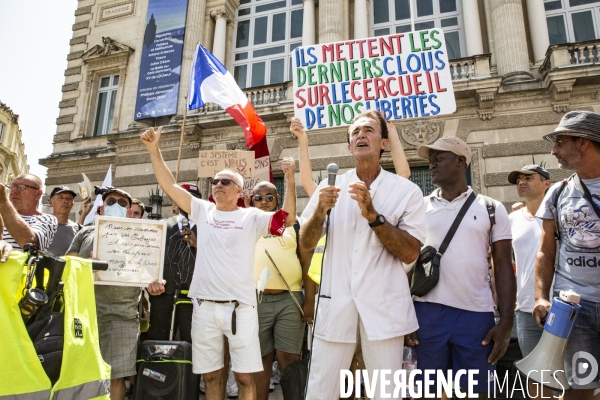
532 183
23 223
116 306
180 259
376 227
573 206
61 201
223 283
456 318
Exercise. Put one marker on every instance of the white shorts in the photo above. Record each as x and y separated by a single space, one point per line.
210 322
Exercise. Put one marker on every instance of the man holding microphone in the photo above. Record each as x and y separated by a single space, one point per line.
375 230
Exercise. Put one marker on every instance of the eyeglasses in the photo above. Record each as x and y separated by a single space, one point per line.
223 181
268 198
111 201
21 187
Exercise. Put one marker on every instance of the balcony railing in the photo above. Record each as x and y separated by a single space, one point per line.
474 67
261 95
571 55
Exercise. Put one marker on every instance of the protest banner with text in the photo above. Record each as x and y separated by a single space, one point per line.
210 162
133 248
406 75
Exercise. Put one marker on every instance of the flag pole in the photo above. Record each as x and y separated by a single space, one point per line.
181 141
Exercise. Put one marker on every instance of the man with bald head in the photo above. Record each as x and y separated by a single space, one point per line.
280 322
222 287
23 223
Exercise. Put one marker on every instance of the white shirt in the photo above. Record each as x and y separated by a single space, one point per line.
360 276
527 234
225 256
464 266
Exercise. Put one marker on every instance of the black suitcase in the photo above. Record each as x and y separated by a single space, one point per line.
164 368
164 371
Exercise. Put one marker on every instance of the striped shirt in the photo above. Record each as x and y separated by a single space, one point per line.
43 226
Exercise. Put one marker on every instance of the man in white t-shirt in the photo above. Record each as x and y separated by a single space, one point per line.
532 183
456 318
376 227
223 282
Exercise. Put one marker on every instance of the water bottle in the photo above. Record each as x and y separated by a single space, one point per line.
409 363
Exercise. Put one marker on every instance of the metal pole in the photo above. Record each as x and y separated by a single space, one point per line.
412 15
181 141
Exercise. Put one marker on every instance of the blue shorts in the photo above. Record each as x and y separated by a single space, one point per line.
450 339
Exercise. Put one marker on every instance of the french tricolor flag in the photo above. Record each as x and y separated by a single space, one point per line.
211 82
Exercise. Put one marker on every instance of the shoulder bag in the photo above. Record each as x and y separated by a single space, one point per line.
426 273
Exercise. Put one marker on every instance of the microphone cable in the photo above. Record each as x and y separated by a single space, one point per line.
312 339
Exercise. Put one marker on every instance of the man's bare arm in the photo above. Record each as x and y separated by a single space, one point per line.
398 242
15 225
506 287
312 230
165 178
544 270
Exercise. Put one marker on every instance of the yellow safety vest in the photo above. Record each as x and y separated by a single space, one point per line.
84 374
314 272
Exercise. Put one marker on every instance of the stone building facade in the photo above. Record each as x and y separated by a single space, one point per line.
517 67
13 160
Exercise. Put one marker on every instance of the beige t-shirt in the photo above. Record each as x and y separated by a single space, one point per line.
283 252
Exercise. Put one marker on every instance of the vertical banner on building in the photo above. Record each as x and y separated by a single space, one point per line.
160 67
406 75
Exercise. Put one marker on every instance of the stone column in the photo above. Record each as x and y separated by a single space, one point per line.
194 32
308 23
361 25
510 41
331 21
221 18
472 27
538 29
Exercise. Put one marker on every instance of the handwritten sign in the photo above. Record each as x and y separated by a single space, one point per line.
261 168
406 75
212 161
133 248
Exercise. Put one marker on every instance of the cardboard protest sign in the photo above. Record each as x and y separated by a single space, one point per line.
133 248
210 162
406 75
261 168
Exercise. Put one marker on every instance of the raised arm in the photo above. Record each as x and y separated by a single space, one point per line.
306 178
288 165
165 178
15 225
398 156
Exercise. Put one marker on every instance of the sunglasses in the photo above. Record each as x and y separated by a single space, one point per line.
122 202
223 181
268 198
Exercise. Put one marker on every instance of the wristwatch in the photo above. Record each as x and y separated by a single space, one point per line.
379 220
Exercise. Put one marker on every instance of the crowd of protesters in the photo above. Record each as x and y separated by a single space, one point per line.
243 274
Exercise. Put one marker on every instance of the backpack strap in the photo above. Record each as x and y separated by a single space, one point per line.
562 187
491 210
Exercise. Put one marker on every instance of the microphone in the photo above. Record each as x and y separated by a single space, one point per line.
332 170
185 225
